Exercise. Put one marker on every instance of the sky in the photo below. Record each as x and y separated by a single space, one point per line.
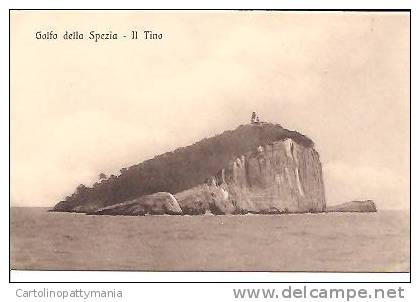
79 107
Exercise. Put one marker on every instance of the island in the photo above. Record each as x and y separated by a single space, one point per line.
257 168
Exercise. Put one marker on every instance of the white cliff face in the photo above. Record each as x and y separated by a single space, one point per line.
280 177
283 177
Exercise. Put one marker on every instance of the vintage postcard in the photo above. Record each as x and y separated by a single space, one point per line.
210 140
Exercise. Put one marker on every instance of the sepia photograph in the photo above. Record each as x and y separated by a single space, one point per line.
210 141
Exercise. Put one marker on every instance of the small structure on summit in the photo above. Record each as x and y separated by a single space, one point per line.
254 118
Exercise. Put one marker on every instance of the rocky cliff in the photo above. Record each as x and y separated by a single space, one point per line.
260 168
282 177
361 206
155 204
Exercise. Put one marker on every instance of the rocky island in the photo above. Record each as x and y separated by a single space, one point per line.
354 206
259 168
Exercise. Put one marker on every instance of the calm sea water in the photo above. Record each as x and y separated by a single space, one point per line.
368 242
